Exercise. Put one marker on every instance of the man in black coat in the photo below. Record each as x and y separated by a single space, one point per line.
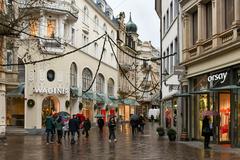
100 123
86 126
73 127
206 131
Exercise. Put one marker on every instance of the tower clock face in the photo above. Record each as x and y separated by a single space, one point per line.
50 75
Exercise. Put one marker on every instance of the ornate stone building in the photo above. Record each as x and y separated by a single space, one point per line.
211 55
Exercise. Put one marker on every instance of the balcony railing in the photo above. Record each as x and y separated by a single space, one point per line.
125 67
51 46
226 36
59 6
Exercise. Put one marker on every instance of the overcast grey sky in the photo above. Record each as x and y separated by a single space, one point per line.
143 14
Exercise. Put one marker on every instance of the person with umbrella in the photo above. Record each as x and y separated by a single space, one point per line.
73 127
134 123
112 127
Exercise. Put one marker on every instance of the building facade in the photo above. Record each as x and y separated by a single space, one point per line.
67 83
127 41
171 109
211 38
148 77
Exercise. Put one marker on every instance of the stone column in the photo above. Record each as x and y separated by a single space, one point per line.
42 25
200 27
236 22
185 35
216 22
2 113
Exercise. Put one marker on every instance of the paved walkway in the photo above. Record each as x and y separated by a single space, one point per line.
144 147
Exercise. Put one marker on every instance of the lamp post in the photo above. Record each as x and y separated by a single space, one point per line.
161 62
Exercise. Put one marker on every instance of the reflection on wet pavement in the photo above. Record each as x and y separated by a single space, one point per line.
147 146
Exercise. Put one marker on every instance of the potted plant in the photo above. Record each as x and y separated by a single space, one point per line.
171 134
160 131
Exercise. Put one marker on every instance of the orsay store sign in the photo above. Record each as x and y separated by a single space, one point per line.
51 90
220 77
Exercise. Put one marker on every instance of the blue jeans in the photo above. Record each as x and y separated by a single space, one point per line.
48 134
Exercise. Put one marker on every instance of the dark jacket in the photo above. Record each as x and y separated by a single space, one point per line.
112 124
206 131
100 122
87 124
49 123
141 121
73 125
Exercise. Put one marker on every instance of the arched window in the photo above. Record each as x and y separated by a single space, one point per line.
87 78
100 83
73 75
96 21
105 27
110 87
85 16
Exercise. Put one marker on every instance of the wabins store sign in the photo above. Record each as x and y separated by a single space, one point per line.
51 90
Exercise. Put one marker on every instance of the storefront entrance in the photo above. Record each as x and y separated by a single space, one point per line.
50 105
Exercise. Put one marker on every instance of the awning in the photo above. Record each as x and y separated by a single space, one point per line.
181 95
18 92
88 95
201 91
113 101
225 87
101 97
132 102
75 92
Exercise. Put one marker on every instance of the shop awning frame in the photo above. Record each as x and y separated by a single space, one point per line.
225 87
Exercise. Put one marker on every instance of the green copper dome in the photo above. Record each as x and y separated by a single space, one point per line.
131 27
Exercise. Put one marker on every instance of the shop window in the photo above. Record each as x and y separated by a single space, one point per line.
224 111
51 28
100 84
87 78
200 83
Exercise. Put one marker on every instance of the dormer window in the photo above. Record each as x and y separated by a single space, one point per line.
101 5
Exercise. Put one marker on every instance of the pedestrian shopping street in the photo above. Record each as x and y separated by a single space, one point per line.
146 146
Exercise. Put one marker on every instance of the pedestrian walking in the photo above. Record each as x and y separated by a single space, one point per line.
66 127
206 132
134 124
86 126
141 123
59 127
49 128
112 127
100 123
73 127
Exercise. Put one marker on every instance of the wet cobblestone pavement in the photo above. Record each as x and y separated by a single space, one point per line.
148 147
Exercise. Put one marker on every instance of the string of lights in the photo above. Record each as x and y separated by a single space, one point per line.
135 87
55 57
99 64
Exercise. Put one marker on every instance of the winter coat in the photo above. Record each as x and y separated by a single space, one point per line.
87 124
49 123
206 130
112 124
59 124
73 125
100 122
